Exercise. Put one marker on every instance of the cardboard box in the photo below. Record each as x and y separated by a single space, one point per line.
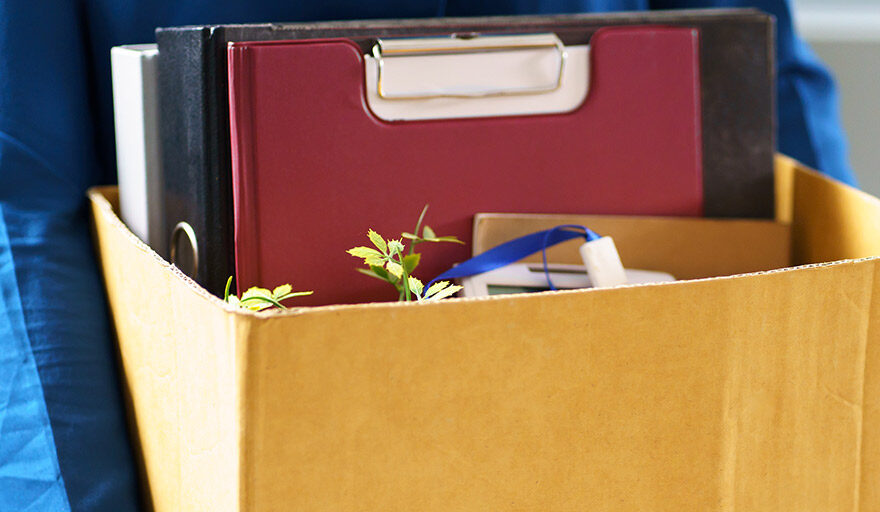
750 392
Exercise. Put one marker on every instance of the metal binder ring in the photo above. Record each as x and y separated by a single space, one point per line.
553 42
185 228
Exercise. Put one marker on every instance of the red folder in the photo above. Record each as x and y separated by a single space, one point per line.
313 168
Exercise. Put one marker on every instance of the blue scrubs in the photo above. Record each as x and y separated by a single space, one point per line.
63 440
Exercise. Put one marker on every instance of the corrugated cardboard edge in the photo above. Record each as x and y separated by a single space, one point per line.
869 488
201 423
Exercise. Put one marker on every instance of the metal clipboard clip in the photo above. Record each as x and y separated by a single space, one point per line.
386 49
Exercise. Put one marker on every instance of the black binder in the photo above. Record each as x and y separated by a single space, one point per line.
737 89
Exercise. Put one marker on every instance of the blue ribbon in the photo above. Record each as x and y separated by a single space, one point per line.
515 250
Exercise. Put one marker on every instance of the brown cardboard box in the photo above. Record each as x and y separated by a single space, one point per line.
750 392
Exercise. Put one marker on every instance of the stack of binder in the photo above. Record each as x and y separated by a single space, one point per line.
282 144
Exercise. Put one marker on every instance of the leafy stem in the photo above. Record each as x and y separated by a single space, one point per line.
389 261
406 291
258 299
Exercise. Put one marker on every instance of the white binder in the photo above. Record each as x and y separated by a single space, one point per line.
136 112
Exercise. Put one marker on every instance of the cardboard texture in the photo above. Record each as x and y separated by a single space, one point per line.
751 392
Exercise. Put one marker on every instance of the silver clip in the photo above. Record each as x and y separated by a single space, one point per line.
456 45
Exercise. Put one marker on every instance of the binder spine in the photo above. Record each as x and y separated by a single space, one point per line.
245 205
219 186
197 185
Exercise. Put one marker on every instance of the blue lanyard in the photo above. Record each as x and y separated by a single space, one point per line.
515 250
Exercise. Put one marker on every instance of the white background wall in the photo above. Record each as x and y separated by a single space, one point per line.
846 36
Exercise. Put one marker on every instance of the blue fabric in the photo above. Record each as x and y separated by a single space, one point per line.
63 442
28 460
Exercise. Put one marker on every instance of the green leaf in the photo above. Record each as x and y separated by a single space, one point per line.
256 298
260 302
428 233
255 305
363 252
378 273
436 287
370 256
382 273
394 269
281 291
378 241
294 294
395 246
446 292
370 272
255 291
411 261
409 236
447 239
415 286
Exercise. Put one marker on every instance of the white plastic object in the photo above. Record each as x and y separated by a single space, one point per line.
603 262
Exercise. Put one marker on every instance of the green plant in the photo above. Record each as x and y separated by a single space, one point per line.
387 262
258 299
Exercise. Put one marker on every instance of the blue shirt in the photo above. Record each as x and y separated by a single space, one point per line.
63 440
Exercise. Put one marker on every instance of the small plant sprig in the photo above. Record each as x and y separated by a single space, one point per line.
387 262
258 299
